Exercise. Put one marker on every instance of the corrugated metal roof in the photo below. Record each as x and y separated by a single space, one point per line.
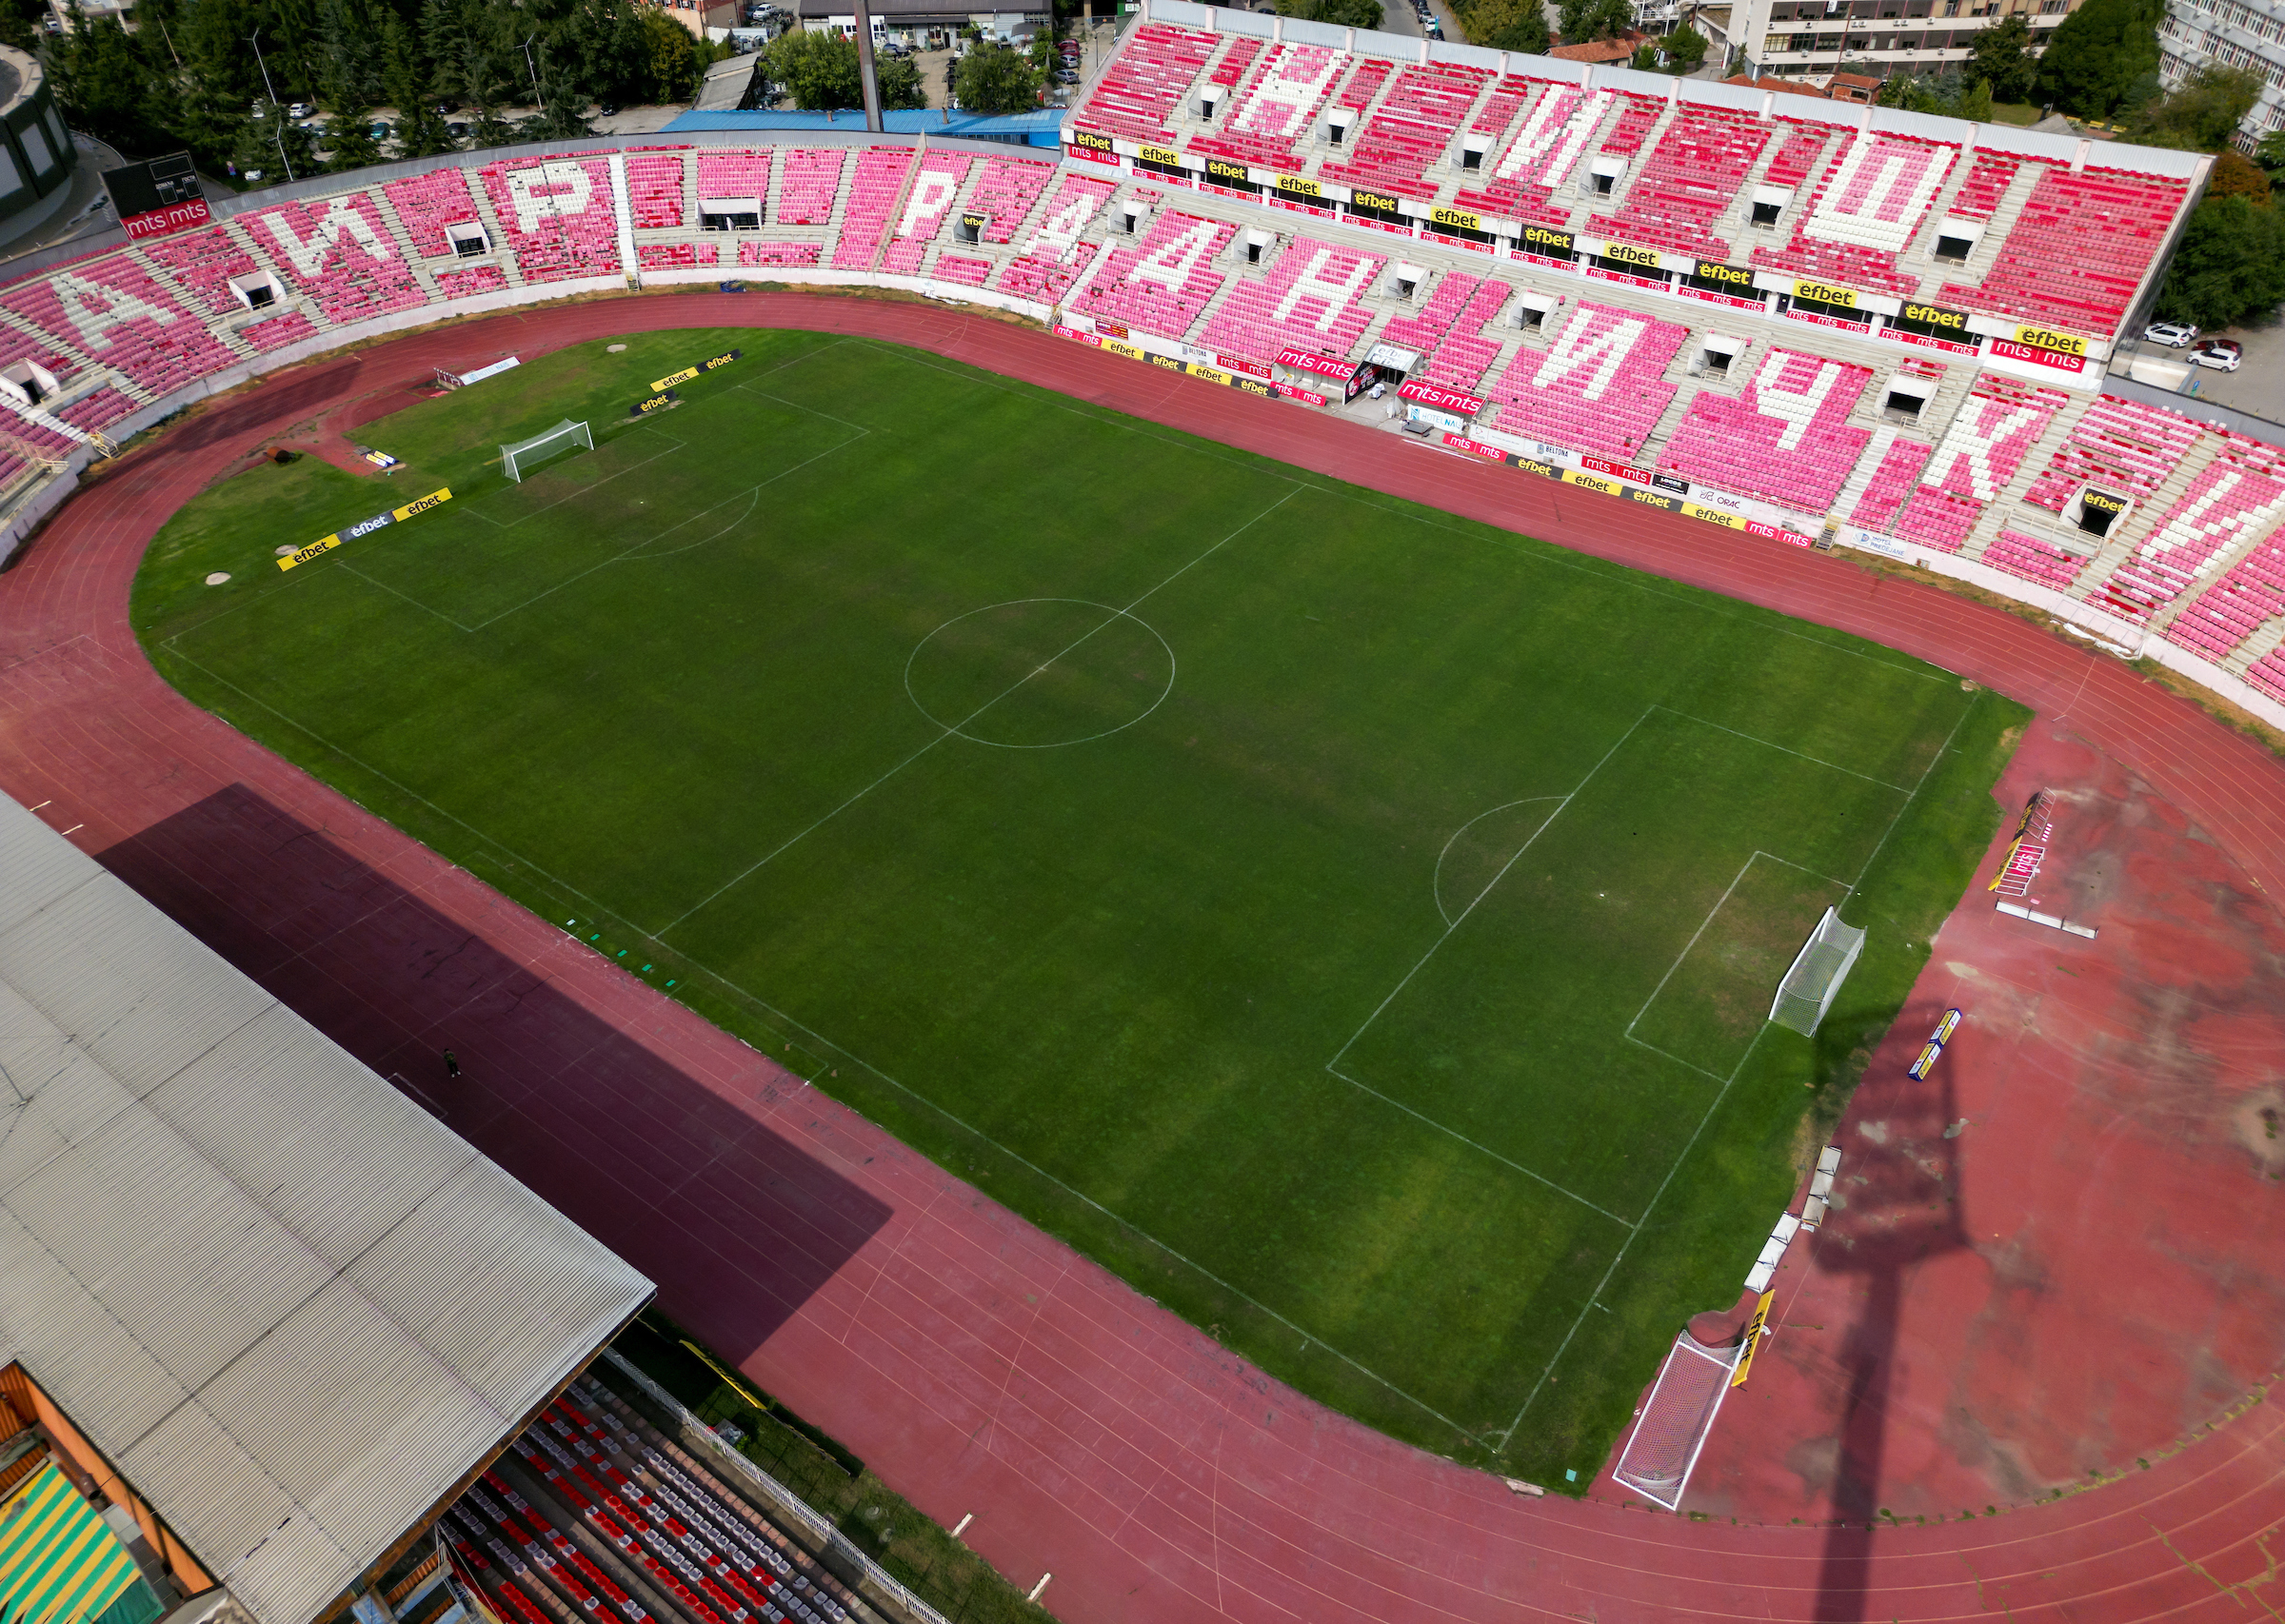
289 1304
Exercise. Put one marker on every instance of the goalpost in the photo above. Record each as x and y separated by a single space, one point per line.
1676 1419
1823 963
525 453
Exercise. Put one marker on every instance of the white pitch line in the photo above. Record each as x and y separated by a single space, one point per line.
1423 959
955 731
1773 745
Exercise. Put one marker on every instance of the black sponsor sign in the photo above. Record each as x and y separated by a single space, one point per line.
1653 499
1933 319
662 400
1253 387
1223 172
1667 482
1088 141
1723 278
1166 361
1549 244
2099 502
1378 200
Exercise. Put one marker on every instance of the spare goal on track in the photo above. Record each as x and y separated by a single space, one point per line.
524 454
1823 963
1676 1420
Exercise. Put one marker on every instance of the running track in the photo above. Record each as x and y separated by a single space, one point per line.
977 1364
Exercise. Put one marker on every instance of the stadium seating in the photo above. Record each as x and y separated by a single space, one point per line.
873 194
1419 119
729 174
112 310
204 262
675 256
928 209
1163 284
1006 193
1785 439
2077 252
2236 498
1463 355
1987 182
1307 302
811 186
1993 432
1892 479
425 204
1142 86
2032 559
779 253
1599 387
556 215
340 252
2125 447
654 190
1277 107
1689 180
1540 157
1876 191
1424 332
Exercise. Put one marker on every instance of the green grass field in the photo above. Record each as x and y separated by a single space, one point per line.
1352 924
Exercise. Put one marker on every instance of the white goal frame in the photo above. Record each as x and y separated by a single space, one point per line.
1676 1419
521 455
1814 980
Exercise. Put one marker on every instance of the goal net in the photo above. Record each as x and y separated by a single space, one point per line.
1676 1420
523 455
1823 963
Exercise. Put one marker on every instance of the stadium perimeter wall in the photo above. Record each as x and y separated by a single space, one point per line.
1281 295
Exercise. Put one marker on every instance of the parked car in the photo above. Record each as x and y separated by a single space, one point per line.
2222 354
299 110
1066 75
607 110
457 131
380 131
2173 335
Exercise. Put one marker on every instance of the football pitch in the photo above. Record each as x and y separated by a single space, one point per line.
1352 924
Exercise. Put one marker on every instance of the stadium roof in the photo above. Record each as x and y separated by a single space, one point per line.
291 1307
1043 127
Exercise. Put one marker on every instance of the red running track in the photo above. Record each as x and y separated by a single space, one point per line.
977 1364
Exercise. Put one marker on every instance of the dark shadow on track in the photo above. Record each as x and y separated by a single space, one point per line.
619 1137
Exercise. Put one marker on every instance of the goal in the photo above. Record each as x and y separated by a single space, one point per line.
1823 963
1680 1411
524 454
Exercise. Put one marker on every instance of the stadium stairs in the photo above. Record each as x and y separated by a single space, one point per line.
101 339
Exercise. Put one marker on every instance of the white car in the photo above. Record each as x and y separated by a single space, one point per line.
2223 354
2173 335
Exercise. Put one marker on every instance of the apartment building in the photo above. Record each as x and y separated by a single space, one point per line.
1800 38
2236 35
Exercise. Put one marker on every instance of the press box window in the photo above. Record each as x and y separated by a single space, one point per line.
1257 243
467 240
1130 217
1336 126
1714 359
2096 511
1769 202
27 383
730 213
1472 150
1603 176
1903 406
1956 239
1209 103
1531 316
257 291
1405 280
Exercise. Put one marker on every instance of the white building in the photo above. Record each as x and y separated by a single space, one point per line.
1804 38
2236 35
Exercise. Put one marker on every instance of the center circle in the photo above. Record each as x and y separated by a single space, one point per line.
1036 673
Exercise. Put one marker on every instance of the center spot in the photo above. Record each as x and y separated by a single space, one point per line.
1040 672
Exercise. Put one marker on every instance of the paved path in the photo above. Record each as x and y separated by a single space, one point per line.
977 1364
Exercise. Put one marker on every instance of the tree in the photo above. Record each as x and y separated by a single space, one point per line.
1581 21
2001 58
421 132
2230 269
993 79
672 63
2269 152
2236 175
347 67
1341 13
819 71
1510 25
1684 49
2098 52
2203 111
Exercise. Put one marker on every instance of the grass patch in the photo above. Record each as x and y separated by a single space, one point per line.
1349 924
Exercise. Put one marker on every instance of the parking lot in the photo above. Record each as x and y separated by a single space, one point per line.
2257 385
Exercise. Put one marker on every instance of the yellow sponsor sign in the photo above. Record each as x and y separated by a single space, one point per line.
1593 482
1209 374
1626 253
1130 352
1458 217
363 527
1756 1329
660 386
2046 338
1299 186
1713 515
1728 275
1158 155
1825 293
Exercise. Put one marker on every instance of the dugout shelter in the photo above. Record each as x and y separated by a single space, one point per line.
262 1315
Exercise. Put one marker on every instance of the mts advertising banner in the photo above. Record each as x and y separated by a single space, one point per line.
1196 369
1324 366
1438 396
1619 482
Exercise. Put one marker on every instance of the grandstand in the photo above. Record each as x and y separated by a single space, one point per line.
1864 326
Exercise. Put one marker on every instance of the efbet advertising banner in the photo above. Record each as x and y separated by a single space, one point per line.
660 386
364 528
